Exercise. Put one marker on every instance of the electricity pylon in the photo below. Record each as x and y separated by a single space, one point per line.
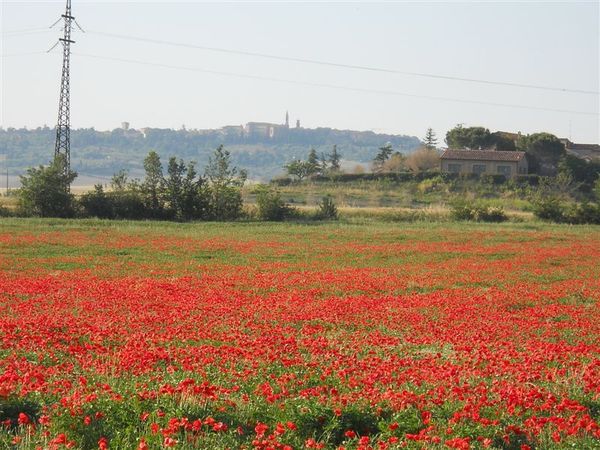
63 126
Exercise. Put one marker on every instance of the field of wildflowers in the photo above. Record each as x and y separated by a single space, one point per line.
261 336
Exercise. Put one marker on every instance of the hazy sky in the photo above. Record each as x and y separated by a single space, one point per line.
537 43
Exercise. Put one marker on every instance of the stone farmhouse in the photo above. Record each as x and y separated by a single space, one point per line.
507 163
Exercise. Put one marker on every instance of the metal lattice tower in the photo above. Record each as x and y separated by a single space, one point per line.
63 127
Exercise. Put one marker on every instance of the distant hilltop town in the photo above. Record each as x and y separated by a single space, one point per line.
261 129
257 130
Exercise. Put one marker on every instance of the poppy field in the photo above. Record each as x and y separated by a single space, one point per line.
290 336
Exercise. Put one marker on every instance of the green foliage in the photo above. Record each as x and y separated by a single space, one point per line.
182 195
153 186
384 154
97 204
582 171
185 192
45 191
544 151
11 407
224 189
430 139
299 169
334 159
552 209
271 207
4 212
220 171
470 137
327 210
432 184
466 211
125 198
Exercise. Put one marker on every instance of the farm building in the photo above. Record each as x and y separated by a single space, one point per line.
480 162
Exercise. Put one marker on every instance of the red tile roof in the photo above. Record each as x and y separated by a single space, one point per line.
483 155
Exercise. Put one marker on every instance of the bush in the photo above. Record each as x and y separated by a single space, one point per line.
464 211
327 209
584 213
527 180
492 178
549 209
552 209
225 203
97 204
45 191
431 185
490 214
270 205
4 212
461 211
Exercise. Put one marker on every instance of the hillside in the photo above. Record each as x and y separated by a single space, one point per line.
262 149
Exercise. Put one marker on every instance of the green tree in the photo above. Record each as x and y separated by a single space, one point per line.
323 163
221 172
126 197
97 204
45 191
583 171
194 195
270 205
430 139
299 169
384 154
225 184
184 192
313 162
334 159
153 186
544 151
176 171
470 137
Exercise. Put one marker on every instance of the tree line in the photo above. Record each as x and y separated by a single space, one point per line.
180 194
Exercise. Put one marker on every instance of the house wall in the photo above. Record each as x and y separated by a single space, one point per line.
491 167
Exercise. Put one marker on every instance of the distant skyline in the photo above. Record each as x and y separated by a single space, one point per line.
152 84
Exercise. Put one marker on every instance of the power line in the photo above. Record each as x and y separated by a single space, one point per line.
26 31
341 65
10 55
331 86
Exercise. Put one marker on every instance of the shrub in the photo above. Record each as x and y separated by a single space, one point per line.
327 209
585 213
461 211
45 191
97 204
492 178
548 209
225 203
490 214
465 211
431 185
270 205
4 212
128 205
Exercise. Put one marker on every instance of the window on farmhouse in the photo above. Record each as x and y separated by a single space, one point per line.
504 170
454 168
479 168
